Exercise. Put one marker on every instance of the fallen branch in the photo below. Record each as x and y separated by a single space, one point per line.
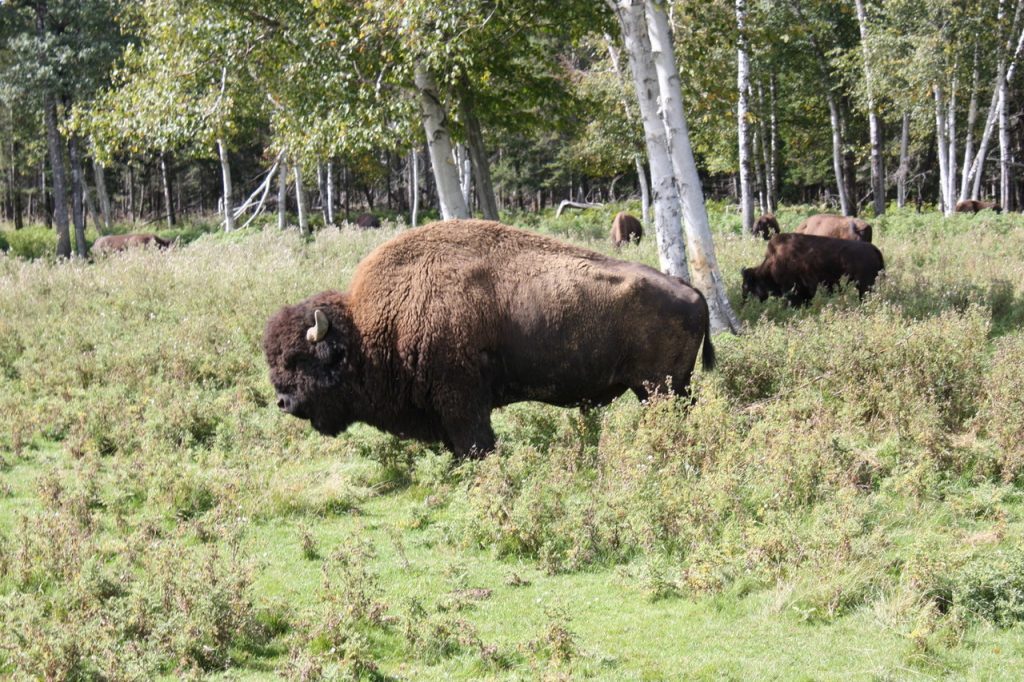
575 204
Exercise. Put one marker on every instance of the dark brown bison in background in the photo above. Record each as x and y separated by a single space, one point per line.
122 242
795 265
836 226
447 321
367 220
626 229
973 206
765 226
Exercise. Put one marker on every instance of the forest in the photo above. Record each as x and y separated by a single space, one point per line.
842 495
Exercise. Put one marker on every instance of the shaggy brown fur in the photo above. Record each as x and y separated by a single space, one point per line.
973 206
626 228
121 242
367 220
449 320
796 264
765 226
836 226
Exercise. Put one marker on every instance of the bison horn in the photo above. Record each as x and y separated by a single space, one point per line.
319 330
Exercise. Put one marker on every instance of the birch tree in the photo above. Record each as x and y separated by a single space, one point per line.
439 146
875 126
742 116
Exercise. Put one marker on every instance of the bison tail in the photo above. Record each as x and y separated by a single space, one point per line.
707 357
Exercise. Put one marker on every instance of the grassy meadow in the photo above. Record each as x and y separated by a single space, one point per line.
844 500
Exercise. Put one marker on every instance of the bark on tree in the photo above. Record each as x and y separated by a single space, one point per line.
942 144
664 191
951 141
743 124
699 245
478 155
774 135
77 207
330 191
414 186
165 177
1005 153
225 172
439 144
874 125
99 177
645 192
301 199
837 152
282 195
972 117
463 163
55 148
904 169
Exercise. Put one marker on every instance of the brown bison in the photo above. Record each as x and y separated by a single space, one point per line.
836 226
367 220
796 264
447 321
122 242
765 226
973 206
626 229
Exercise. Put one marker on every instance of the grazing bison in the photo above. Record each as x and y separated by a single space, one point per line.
626 228
367 220
796 264
836 226
447 321
765 226
121 242
973 206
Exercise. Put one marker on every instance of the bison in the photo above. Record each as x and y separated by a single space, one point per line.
836 226
121 242
447 321
765 226
796 264
367 220
973 206
626 229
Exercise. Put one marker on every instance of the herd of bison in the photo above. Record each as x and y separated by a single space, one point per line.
448 321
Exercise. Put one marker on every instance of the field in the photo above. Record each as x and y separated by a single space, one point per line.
844 499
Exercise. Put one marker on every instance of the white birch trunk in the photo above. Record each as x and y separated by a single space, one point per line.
942 144
951 141
700 246
414 186
645 192
972 119
874 125
301 200
774 134
225 172
837 152
665 193
1005 160
282 195
330 192
743 125
439 144
465 166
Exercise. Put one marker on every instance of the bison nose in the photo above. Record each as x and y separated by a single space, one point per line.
286 403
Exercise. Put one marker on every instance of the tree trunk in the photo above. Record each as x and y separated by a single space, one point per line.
874 125
55 147
765 158
321 186
774 136
951 141
743 125
904 170
330 191
439 144
942 145
99 176
700 246
972 117
165 177
463 163
225 172
665 192
414 186
1005 159
301 200
645 192
478 155
837 152
282 195
77 208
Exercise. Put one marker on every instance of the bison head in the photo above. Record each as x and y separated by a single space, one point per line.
754 285
861 230
312 349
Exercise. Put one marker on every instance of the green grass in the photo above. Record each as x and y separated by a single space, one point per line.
844 499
